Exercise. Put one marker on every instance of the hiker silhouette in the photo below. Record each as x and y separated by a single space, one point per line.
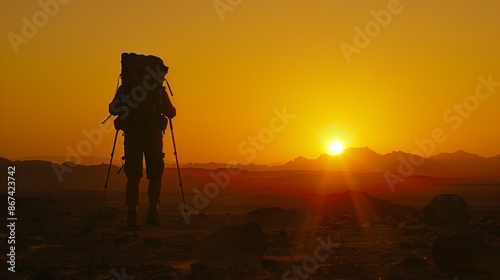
142 106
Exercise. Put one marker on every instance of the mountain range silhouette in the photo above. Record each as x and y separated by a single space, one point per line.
455 164
363 160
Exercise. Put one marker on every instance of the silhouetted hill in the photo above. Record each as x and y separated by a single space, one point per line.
353 159
4 162
365 160
362 204
43 174
463 162
363 164
87 160
31 172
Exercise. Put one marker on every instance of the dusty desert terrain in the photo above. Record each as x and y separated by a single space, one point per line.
58 235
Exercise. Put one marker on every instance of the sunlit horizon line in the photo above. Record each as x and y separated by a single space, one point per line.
182 163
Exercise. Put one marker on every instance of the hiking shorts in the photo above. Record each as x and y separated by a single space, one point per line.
148 143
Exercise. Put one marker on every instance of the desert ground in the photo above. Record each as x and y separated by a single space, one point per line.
315 226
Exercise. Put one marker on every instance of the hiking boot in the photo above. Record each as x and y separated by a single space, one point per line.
153 219
132 218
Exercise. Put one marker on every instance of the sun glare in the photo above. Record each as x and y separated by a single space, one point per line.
335 147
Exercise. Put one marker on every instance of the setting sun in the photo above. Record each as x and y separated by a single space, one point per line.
335 147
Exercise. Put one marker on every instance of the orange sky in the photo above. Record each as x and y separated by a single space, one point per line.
233 68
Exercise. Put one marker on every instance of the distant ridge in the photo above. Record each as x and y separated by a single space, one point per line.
361 204
457 164
87 160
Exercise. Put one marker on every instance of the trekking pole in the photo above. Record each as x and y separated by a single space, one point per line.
177 162
107 177
105 120
171 93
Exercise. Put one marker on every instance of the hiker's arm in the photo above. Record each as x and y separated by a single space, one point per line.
116 106
168 109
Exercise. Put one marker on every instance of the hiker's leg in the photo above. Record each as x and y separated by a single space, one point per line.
133 167
154 169
154 166
132 192
133 170
154 190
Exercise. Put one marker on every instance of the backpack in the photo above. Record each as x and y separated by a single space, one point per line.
142 91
